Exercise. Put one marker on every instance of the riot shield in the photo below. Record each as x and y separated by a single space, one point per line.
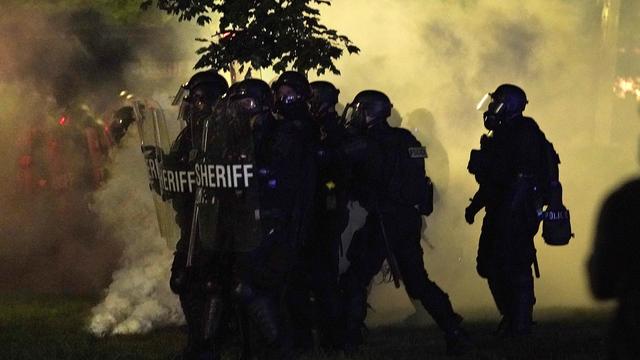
231 179
165 176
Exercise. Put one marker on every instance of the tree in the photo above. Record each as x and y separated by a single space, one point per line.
263 33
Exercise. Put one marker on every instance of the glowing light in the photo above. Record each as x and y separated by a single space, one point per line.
627 86
482 101
123 93
62 120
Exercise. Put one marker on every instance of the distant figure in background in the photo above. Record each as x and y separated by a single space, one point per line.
395 119
614 268
443 260
421 123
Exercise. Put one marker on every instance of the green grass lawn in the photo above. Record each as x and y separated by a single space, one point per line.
52 327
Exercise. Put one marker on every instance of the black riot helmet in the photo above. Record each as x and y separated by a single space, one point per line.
200 94
507 102
369 107
291 91
324 97
252 96
121 120
205 88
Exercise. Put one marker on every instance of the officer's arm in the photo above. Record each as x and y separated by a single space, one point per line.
602 265
479 200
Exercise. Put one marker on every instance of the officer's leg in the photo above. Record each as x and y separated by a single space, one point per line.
490 265
366 255
192 309
522 299
259 285
500 290
185 283
324 281
404 233
298 301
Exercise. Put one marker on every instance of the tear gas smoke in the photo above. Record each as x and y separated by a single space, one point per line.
139 298
56 240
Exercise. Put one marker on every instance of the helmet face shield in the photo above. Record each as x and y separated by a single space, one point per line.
483 104
247 104
354 116
489 105
180 95
492 111
184 111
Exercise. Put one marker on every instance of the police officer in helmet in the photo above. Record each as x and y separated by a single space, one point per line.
298 136
389 181
250 237
511 169
203 90
316 302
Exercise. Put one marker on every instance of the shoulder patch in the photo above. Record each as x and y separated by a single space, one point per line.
418 152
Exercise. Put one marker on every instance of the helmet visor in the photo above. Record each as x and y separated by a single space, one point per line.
181 94
354 117
487 105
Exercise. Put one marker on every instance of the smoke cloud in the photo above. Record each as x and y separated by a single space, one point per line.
56 60
139 298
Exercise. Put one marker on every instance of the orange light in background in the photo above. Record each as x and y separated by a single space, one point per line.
627 86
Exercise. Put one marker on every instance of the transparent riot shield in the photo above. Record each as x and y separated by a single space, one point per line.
156 140
231 181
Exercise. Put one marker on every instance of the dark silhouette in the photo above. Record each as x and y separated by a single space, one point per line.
614 268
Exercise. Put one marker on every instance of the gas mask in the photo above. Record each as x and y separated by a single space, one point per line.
493 112
319 110
289 103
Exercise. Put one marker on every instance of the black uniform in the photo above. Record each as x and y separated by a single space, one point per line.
299 133
614 268
508 193
331 218
394 197
189 283
314 295
193 281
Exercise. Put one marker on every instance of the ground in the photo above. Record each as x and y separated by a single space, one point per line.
52 327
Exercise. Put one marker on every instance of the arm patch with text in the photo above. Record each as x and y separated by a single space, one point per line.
418 152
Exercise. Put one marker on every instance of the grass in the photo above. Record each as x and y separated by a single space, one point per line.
52 327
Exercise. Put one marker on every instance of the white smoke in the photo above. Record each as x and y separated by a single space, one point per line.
139 298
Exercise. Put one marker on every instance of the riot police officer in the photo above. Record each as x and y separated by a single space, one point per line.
190 270
316 294
298 135
389 181
244 213
512 176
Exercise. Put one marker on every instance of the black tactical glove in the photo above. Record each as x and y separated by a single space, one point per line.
469 215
